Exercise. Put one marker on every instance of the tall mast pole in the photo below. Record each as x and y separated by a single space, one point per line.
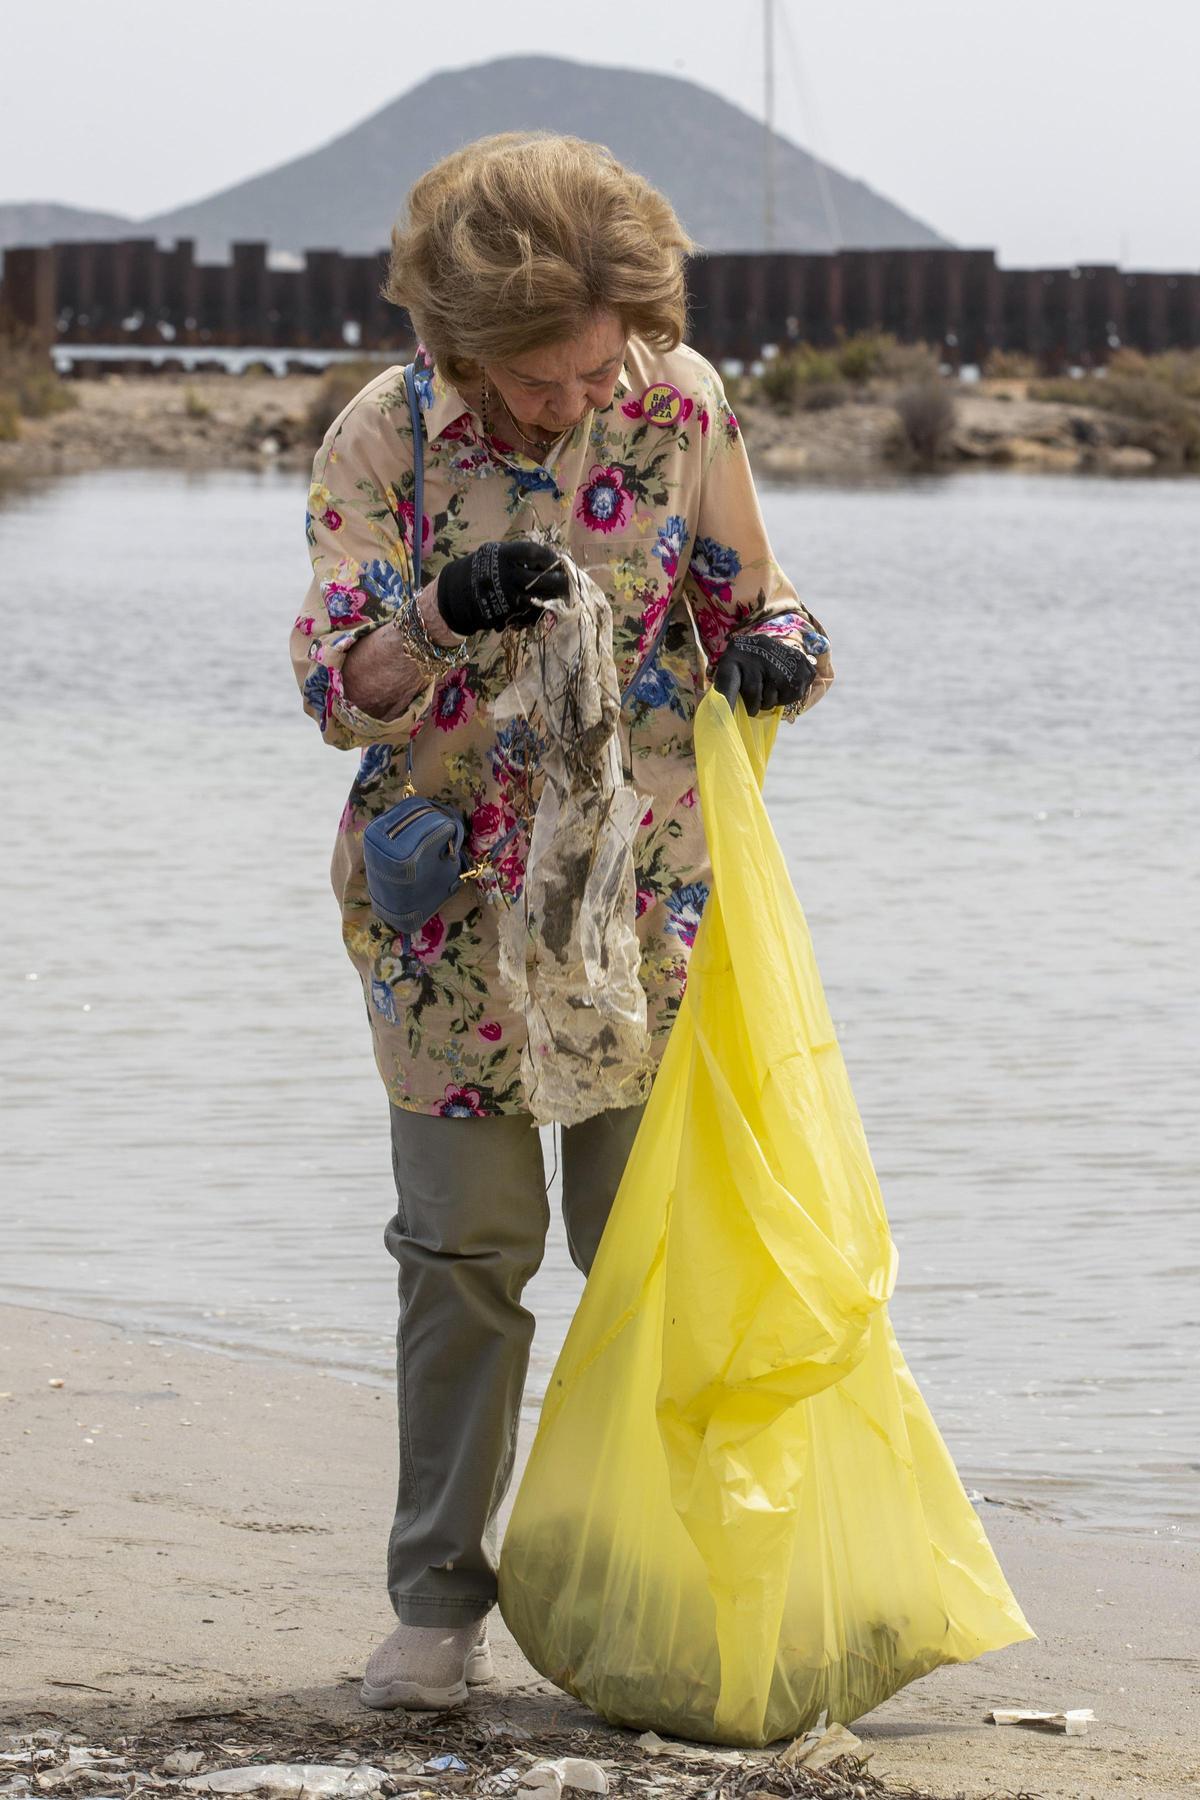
769 124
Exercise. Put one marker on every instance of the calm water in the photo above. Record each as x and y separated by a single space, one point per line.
992 823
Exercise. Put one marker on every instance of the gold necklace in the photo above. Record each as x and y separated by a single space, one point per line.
533 447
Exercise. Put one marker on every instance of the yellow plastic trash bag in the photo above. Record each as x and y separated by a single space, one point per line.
738 1511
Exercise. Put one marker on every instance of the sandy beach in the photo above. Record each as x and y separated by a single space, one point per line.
193 1541
255 420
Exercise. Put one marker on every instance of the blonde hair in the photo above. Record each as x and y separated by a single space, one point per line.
516 240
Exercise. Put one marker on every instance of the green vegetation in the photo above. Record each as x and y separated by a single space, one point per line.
30 386
1178 370
864 355
786 379
809 379
1156 397
875 356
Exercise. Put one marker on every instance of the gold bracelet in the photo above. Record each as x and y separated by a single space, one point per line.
433 658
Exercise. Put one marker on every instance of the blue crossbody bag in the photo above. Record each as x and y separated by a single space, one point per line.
415 853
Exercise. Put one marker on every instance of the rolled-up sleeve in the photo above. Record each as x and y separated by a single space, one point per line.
733 583
358 540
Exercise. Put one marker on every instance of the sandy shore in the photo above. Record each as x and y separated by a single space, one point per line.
187 1535
213 420
201 421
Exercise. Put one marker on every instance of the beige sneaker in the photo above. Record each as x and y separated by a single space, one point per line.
427 1668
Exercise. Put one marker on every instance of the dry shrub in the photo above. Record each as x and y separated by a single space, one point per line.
1157 416
910 363
1177 369
1128 362
1070 390
1169 423
813 380
341 382
10 420
785 378
778 384
1009 365
742 390
865 354
30 385
927 415
822 396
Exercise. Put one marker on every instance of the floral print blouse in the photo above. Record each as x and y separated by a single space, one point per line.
654 496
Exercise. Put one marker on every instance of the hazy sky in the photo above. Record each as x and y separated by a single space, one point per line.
1054 130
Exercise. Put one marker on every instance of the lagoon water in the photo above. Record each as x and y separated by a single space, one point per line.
991 822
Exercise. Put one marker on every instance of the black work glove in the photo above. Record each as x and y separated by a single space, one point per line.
495 585
764 670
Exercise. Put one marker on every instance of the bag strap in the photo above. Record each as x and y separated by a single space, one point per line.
418 534
418 433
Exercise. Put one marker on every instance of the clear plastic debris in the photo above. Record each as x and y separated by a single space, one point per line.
1074 1723
548 1780
569 951
816 1749
284 1779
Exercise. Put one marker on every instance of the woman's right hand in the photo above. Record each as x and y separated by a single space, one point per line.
497 585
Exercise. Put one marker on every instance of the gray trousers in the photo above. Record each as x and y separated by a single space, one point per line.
468 1232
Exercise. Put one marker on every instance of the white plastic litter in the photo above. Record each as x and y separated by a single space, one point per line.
1074 1723
818 1748
183 1762
653 1745
569 950
547 1780
285 1779
503 1782
79 1756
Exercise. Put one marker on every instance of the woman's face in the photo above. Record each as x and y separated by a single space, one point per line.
553 388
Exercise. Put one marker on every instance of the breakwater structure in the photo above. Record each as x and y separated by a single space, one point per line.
134 294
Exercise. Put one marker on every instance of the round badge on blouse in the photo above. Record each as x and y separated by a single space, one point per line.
662 403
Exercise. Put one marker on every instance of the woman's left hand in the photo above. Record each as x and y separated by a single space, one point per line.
764 671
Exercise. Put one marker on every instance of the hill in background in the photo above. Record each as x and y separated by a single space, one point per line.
46 222
704 152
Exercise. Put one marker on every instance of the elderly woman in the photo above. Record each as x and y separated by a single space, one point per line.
561 416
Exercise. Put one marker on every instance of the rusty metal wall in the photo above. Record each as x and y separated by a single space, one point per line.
133 292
